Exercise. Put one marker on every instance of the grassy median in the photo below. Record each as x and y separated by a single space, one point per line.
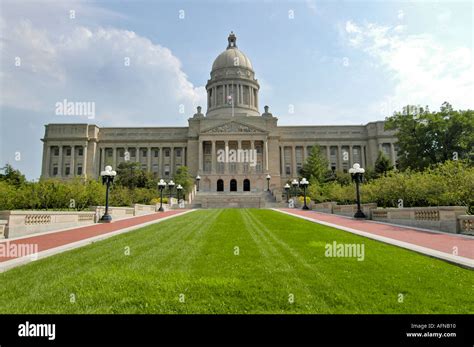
236 261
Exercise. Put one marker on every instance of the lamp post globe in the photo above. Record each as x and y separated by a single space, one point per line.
108 176
170 188
161 186
268 177
357 172
179 188
304 183
287 190
198 179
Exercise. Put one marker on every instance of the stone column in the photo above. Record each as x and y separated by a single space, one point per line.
266 155
213 157
148 152
282 159
339 158
160 159
60 161
172 170
226 164
392 153
252 148
84 161
362 155
351 156
47 171
73 160
293 162
328 155
185 158
200 156
239 165
114 156
137 154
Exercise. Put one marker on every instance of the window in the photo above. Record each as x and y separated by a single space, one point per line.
144 152
79 170
178 152
80 152
287 170
167 170
155 168
155 153
55 170
133 152
68 151
167 153
121 153
109 152
68 170
56 151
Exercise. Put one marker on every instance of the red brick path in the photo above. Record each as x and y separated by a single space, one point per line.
61 238
437 241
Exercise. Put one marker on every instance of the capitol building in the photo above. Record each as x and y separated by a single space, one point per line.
233 120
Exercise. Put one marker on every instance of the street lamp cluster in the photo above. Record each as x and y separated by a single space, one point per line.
303 183
108 176
162 185
357 172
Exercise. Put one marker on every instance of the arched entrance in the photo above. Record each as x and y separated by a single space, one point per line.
220 185
246 185
233 185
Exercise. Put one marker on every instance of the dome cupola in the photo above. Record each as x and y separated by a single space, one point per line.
232 89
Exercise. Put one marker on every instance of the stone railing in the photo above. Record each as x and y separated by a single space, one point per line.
3 226
115 212
20 223
140 209
466 224
325 207
442 218
350 210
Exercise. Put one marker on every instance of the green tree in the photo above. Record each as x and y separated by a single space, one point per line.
426 138
315 167
382 165
131 175
183 177
12 176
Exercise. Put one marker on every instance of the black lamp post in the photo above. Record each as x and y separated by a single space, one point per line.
170 187
304 183
294 183
179 188
108 176
356 172
268 181
287 190
198 178
161 186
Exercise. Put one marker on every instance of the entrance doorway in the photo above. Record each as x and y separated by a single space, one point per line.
233 185
246 185
220 185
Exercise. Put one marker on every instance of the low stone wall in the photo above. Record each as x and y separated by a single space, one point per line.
466 224
144 209
21 223
442 218
3 226
115 212
350 210
325 207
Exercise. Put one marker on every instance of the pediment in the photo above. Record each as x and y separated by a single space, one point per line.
233 127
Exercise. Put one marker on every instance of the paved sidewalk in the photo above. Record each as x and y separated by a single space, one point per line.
60 240
436 244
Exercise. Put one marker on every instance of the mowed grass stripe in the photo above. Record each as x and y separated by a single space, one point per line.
193 256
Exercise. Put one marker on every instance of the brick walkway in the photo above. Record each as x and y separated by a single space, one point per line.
61 238
441 242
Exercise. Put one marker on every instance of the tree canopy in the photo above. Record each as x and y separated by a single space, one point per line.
426 138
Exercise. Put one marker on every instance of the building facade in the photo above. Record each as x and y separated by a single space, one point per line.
233 121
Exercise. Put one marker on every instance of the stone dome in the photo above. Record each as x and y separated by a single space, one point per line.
232 57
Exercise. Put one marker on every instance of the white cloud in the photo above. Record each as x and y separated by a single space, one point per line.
422 70
82 61
400 14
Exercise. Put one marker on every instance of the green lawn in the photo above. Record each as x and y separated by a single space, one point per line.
191 257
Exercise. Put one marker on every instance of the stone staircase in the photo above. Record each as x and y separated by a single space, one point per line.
234 200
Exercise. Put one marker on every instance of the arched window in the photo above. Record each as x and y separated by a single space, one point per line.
246 185
220 185
233 185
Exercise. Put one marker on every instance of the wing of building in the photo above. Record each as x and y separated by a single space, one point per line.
232 122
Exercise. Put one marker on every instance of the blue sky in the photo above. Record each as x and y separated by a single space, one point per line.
332 62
